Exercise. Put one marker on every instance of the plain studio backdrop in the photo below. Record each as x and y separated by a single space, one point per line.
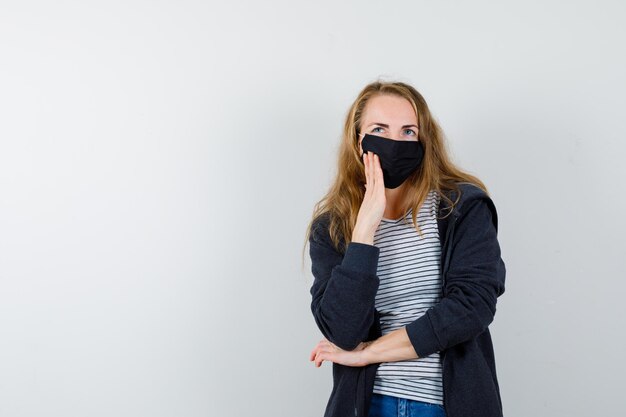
159 163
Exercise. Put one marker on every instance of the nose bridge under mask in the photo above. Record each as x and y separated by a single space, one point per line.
391 148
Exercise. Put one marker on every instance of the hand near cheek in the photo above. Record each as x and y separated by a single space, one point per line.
327 351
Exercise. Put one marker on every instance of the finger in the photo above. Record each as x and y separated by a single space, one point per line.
319 359
378 173
373 178
366 170
370 170
317 348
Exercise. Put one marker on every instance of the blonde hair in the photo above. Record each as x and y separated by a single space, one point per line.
436 172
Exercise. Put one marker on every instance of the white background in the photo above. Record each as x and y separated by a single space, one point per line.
159 161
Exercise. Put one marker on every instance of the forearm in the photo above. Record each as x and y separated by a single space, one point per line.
344 291
394 346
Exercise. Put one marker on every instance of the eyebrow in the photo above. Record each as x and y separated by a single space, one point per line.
387 126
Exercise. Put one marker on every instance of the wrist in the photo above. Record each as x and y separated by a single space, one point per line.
363 237
367 354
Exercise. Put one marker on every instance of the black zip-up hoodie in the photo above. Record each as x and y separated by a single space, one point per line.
473 275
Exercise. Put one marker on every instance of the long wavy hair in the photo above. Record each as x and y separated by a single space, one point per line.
436 172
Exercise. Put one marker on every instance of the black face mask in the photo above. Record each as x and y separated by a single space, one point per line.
398 158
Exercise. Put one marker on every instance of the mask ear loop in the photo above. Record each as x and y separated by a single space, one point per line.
361 134
363 163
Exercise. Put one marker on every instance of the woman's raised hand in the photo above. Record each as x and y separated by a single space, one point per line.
374 201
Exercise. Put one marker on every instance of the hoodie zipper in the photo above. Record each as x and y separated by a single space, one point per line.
449 234
443 386
356 391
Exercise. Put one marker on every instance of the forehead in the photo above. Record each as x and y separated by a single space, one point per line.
389 108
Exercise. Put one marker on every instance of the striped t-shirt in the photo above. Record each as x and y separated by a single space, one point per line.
410 283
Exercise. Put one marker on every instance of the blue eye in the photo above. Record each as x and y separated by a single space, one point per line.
410 130
376 128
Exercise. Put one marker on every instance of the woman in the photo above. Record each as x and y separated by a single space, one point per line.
406 267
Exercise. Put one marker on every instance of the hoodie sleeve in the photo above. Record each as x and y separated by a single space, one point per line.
344 288
474 280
